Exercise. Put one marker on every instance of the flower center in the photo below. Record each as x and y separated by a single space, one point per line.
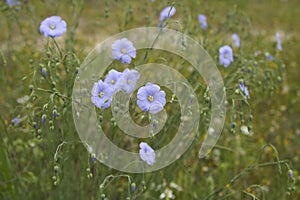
52 26
128 81
101 94
113 82
147 153
226 55
123 51
150 98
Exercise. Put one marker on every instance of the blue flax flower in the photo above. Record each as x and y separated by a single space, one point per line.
279 47
133 187
11 3
53 26
236 39
151 98
16 120
291 175
269 56
166 13
244 89
127 81
123 50
225 55
102 94
44 71
93 157
112 78
54 113
202 20
147 154
44 118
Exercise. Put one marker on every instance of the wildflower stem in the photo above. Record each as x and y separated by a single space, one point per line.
251 195
260 188
59 147
108 179
156 38
54 92
276 155
249 168
59 50
224 148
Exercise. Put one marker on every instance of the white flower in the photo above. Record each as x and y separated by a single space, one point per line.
90 150
175 186
245 130
23 100
168 193
211 131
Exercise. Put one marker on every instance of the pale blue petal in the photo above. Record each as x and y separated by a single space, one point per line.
144 105
160 97
126 59
155 108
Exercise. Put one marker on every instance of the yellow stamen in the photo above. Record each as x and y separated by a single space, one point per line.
150 98
123 51
52 26
101 94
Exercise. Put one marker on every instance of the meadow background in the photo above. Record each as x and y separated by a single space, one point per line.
46 160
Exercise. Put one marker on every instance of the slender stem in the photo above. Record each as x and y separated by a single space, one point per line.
58 149
58 48
249 168
55 92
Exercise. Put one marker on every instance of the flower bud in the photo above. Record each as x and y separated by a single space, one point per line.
54 114
291 175
44 71
56 168
133 187
93 157
44 117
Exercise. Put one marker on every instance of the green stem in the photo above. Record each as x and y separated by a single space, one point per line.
58 48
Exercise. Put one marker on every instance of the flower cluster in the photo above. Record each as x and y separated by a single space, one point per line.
244 89
150 98
225 52
11 3
102 92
